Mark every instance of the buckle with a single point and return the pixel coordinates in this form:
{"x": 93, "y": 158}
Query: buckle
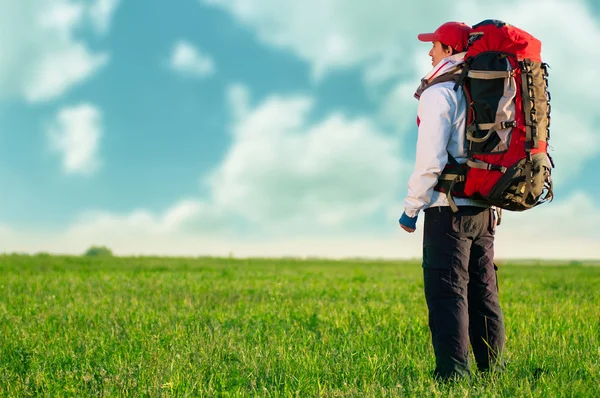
{"x": 497, "y": 167}
{"x": 507, "y": 124}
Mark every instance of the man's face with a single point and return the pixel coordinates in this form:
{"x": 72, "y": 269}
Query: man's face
{"x": 437, "y": 53}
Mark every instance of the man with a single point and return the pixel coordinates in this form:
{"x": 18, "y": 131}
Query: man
{"x": 458, "y": 248}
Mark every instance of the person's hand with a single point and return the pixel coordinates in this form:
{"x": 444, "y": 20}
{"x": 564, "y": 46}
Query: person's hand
{"x": 409, "y": 224}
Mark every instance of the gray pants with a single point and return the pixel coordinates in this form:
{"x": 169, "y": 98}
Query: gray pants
{"x": 461, "y": 289}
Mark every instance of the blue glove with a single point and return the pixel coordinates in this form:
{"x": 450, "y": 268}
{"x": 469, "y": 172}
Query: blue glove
{"x": 409, "y": 222}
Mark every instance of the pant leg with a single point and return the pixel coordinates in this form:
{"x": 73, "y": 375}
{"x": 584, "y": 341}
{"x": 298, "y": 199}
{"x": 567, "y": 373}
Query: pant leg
{"x": 445, "y": 271}
{"x": 445, "y": 294}
{"x": 486, "y": 323}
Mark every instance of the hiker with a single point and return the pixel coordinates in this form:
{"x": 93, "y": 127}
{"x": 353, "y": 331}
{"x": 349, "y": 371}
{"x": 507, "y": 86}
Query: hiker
{"x": 458, "y": 247}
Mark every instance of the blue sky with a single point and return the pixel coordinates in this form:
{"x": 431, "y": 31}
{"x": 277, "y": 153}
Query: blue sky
{"x": 257, "y": 127}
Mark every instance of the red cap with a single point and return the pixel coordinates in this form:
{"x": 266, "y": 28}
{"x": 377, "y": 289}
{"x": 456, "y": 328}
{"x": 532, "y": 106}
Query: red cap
{"x": 453, "y": 34}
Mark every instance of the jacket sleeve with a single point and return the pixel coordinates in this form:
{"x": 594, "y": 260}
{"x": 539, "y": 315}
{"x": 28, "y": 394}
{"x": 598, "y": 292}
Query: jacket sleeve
{"x": 436, "y": 112}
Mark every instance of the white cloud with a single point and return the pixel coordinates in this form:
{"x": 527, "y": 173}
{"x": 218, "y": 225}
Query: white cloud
{"x": 185, "y": 216}
{"x": 283, "y": 170}
{"x": 332, "y": 34}
{"x": 101, "y": 13}
{"x": 75, "y": 134}
{"x": 61, "y": 16}
{"x": 42, "y": 58}
{"x": 61, "y": 69}
{"x": 190, "y": 61}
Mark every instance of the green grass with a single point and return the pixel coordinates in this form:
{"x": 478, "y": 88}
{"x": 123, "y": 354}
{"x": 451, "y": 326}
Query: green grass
{"x": 76, "y": 326}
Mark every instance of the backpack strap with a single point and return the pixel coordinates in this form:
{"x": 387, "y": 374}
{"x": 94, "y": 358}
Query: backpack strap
{"x": 449, "y": 76}
{"x": 451, "y": 179}
{"x": 452, "y": 174}
{"x": 491, "y": 127}
{"x": 489, "y": 75}
{"x": 478, "y": 164}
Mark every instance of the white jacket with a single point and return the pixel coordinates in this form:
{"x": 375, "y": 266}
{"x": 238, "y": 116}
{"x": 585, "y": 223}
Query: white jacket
{"x": 441, "y": 116}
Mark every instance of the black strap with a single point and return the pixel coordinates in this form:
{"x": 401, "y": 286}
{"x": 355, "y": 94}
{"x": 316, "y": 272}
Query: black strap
{"x": 461, "y": 78}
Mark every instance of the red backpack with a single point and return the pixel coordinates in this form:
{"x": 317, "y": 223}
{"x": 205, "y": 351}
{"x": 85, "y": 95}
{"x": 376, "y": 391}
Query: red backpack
{"x": 505, "y": 82}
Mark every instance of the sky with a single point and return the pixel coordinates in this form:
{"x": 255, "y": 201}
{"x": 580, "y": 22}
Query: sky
{"x": 259, "y": 127}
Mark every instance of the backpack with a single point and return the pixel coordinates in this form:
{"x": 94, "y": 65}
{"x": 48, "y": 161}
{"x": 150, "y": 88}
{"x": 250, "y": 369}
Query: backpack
{"x": 508, "y": 120}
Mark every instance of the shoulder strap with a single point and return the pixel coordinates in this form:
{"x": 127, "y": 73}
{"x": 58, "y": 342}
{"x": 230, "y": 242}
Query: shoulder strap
{"x": 449, "y": 76}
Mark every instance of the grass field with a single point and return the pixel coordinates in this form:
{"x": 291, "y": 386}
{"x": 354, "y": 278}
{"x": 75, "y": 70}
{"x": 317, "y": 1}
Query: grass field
{"x": 76, "y": 326}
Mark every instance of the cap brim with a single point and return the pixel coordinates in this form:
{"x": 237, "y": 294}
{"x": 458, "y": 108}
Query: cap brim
{"x": 427, "y": 37}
